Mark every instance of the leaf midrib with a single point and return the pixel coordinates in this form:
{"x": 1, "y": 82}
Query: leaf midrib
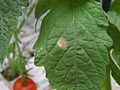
{"x": 75, "y": 44}
{"x": 74, "y": 36}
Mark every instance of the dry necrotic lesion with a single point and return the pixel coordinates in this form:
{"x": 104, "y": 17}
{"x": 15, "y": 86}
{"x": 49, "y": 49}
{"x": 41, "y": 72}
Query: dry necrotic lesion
{"x": 62, "y": 43}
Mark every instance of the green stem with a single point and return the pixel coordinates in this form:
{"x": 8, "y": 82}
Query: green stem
{"x": 18, "y": 47}
{"x": 21, "y": 59}
{"x": 21, "y": 62}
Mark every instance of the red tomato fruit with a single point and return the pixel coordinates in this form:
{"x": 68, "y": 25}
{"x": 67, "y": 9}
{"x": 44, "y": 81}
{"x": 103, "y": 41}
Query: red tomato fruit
{"x": 29, "y": 85}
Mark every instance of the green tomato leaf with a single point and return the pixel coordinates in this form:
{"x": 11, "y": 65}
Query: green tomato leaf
{"x": 114, "y": 14}
{"x": 10, "y": 10}
{"x": 43, "y": 6}
{"x": 14, "y": 66}
{"x": 115, "y": 57}
{"x": 116, "y": 66}
{"x": 10, "y": 50}
{"x": 116, "y": 6}
{"x": 114, "y": 33}
{"x": 72, "y": 45}
{"x": 114, "y": 18}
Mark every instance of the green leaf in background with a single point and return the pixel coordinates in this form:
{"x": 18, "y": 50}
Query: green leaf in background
{"x": 114, "y": 14}
{"x": 72, "y": 44}
{"x": 115, "y": 35}
{"x": 115, "y": 57}
{"x": 43, "y": 6}
{"x": 114, "y": 18}
{"x": 10, "y": 50}
{"x": 14, "y": 66}
{"x": 116, "y": 6}
{"x": 114, "y": 32}
{"x": 10, "y": 10}
{"x": 115, "y": 64}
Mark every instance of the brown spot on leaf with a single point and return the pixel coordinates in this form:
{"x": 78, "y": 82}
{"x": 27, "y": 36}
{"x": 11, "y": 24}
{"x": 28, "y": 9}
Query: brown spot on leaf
{"x": 62, "y": 43}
